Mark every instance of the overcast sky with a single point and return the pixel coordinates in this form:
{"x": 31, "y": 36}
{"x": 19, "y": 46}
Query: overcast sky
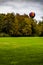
{"x": 22, "y": 6}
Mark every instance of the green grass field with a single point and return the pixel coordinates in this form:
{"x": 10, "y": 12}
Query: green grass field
{"x": 21, "y": 51}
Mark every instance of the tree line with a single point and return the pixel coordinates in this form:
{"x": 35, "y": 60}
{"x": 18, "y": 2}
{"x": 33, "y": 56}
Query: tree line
{"x": 16, "y": 25}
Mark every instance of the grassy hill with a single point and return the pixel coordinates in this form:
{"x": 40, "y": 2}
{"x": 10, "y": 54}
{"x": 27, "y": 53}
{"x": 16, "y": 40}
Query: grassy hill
{"x": 21, "y": 51}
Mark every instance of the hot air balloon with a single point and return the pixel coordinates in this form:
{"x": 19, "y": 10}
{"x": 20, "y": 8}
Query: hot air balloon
{"x": 32, "y": 14}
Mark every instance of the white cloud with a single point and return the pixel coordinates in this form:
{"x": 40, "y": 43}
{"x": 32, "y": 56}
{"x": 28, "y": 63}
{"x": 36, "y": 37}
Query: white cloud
{"x": 22, "y": 7}
{"x": 6, "y": 9}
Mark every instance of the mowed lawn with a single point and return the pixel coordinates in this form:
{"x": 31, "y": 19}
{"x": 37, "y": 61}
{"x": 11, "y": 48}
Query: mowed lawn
{"x": 21, "y": 51}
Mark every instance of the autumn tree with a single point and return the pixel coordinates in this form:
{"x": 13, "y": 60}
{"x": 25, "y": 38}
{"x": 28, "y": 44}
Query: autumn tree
{"x": 19, "y": 25}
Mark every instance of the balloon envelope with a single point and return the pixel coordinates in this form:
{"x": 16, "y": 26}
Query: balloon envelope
{"x": 32, "y": 14}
